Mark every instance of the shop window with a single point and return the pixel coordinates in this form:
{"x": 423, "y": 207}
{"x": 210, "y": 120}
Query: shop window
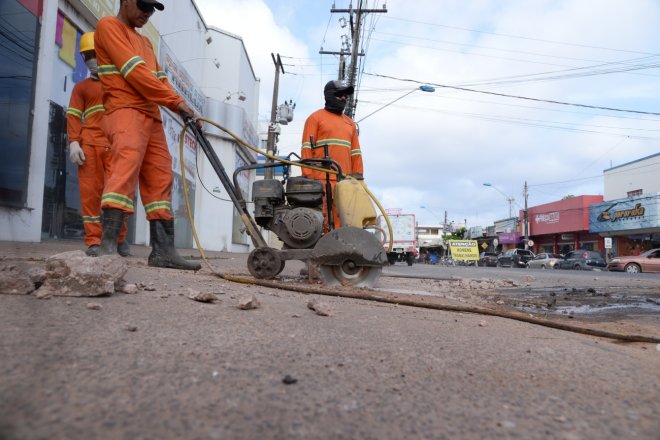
{"x": 637, "y": 192}
{"x": 18, "y": 36}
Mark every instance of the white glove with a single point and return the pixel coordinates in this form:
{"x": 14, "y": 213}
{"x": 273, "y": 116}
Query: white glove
{"x": 76, "y": 154}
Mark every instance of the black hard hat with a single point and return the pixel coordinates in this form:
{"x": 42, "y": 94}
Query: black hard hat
{"x": 155, "y": 3}
{"x": 338, "y": 87}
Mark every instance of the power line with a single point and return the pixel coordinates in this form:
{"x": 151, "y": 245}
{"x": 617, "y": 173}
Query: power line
{"x": 550, "y": 101}
{"x": 565, "y": 43}
{"x": 594, "y": 177}
{"x": 601, "y": 63}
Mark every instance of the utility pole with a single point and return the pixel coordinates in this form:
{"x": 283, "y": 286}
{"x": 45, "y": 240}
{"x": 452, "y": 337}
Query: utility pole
{"x": 526, "y": 223}
{"x": 356, "y": 27}
{"x": 271, "y": 148}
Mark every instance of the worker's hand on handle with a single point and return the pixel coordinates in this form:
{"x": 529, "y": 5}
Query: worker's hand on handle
{"x": 76, "y": 154}
{"x": 188, "y": 113}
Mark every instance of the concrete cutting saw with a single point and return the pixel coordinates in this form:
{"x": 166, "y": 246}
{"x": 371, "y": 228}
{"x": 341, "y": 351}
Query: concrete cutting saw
{"x": 291, "y": 208}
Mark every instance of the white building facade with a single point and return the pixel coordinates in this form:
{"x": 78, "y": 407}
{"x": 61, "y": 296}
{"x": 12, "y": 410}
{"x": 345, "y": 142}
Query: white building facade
{"x": 38, "y": 185}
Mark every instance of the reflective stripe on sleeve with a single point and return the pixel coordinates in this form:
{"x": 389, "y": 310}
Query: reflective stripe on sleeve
{"x": 108, "y": 69}
{"x": 90, "y": 111}
{"x": 131, "y": 64}
{"x": 74, "y": 112}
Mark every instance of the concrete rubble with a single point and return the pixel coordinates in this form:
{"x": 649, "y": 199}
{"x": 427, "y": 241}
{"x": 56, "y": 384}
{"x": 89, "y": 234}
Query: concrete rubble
{"x": 248, "y": 302}
{"x": 320, "y": 308}
{"x": 15, "y": 281}
{"x": 204, "y": 297}
{"x": 75, "y": 274}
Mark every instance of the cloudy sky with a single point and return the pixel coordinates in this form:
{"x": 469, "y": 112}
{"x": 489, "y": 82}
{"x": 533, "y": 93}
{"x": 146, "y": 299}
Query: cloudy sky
{"x": 436, "y": 150}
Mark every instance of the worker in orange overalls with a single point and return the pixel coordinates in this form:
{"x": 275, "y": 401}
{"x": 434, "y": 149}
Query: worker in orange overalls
{"x": 133, "y": 88}
{"x": 330, "y": 126}
{"x": 90, "y": 149}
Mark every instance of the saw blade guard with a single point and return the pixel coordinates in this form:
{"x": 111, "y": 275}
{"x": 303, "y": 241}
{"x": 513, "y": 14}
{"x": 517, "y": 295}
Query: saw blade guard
{"x": 349, "y": 256}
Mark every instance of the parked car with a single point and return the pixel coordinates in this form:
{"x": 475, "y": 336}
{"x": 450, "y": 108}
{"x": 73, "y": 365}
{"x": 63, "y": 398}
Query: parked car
{"x": 515, "y": 258}
{"x": 581, "y": 259}
{"x": 487, "y": 259}
{"x": 544, "y": 261}
{"x": 648, "y": 261}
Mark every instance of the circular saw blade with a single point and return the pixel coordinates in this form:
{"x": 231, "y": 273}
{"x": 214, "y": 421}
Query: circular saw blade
{"x": 356, "y": 276}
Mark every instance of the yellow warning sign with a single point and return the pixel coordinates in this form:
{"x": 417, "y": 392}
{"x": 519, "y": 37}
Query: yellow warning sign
{"x": 464, "y": 249}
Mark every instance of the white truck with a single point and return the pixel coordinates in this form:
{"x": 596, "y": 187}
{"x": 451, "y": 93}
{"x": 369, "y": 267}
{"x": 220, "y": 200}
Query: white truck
{"x": 405, "y": 238}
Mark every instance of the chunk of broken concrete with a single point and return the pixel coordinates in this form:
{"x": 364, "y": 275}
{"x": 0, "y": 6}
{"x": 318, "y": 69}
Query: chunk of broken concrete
{"x": 94, "y": 306}
{"x": 320, "y": 308}
{"x": 129, "y": 288}
{"x": 14, "y": 280}
{"x": 248, "y": 302}
{"x": 204, "y": 297}
{"x": 75, "y": 274}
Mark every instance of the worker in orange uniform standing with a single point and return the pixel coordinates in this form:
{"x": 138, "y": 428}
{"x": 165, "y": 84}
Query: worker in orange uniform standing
{"x": 330, "y": 126}
{"x": 133, "y": 88}
{"x": 90, "y": 149}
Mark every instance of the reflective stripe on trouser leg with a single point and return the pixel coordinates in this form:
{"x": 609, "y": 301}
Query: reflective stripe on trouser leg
{"x": 90, "y": 182}
{"x": 156, "y": 176}
{"x": 129, "y": 132}
{"x": 91, "y": 176}
{"x": 105, "y": 155}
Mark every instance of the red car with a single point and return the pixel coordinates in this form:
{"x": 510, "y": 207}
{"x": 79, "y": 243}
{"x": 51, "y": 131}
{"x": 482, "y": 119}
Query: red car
{"x": 648, "y": 261}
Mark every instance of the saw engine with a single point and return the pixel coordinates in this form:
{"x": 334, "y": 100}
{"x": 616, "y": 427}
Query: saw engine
{"x": 292, "y": 213}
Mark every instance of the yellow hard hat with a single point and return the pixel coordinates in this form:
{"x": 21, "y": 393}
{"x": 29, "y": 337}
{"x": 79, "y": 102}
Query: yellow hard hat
{"x": 87, "y": 42}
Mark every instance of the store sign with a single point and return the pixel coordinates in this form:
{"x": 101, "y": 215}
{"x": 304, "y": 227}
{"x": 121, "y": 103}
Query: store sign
{"x": 547, "y": 218}
{"x": 633, "y": 213}
{"x": 464, "y": 250}
{"x": 509, "y": 237}
{"x": 623, "y": 214}
{"x": 181, "y": 81}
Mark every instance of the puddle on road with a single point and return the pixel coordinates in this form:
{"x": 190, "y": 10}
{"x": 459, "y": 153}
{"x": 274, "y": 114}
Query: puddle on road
{"x": 593, "y": 309}
{"x": 563, "y": 301}
{"x": 589, "y": 301}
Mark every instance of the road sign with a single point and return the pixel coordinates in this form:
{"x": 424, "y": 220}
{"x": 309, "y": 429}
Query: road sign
{"x": 484, "y": 246}
{"x": 608, "y": 242}
{"x": 530, "y": 243}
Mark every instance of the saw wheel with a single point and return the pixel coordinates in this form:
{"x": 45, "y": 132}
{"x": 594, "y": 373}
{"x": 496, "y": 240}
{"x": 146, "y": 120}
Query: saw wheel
{"x": 349, "y": 274}
{"x": 265, "y": 263}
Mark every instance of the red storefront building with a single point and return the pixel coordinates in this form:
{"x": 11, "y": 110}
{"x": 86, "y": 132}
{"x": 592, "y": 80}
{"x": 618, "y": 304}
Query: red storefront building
{"x": 562, "y": 226}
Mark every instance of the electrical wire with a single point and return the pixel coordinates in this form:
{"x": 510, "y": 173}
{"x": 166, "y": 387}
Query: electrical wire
{"x": 564, "y": 43}
{"x": 550, "y": 101}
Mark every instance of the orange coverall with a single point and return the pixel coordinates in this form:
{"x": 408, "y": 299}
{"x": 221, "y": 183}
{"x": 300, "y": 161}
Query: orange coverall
{"x": 340, "y": 134}
{"x": 83, "y": 125}
{"x": 133, "y": 88}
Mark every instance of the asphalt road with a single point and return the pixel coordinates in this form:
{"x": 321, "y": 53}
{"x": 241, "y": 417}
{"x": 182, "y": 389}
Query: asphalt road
{"x": 159, "y": 365}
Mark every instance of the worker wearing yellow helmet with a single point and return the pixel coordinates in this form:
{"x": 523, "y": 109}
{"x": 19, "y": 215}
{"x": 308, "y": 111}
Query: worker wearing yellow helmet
{"x": 90, "y": 149}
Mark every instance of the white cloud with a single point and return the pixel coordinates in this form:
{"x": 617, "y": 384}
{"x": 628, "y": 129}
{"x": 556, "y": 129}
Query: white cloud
{"x": 436, "y": 149}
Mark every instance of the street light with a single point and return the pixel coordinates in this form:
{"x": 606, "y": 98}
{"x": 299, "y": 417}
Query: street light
{"x": 508, "y": 198}
{"x": 424, "y": 88}
{"x": 433, "y": 213}
{"x": 215, "y": 61}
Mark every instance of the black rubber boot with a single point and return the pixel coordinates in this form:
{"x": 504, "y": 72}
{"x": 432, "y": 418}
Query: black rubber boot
{"x": 112, "y": 221}
{"x": 124, "y": 249}
{"x": 163, "y": 252}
